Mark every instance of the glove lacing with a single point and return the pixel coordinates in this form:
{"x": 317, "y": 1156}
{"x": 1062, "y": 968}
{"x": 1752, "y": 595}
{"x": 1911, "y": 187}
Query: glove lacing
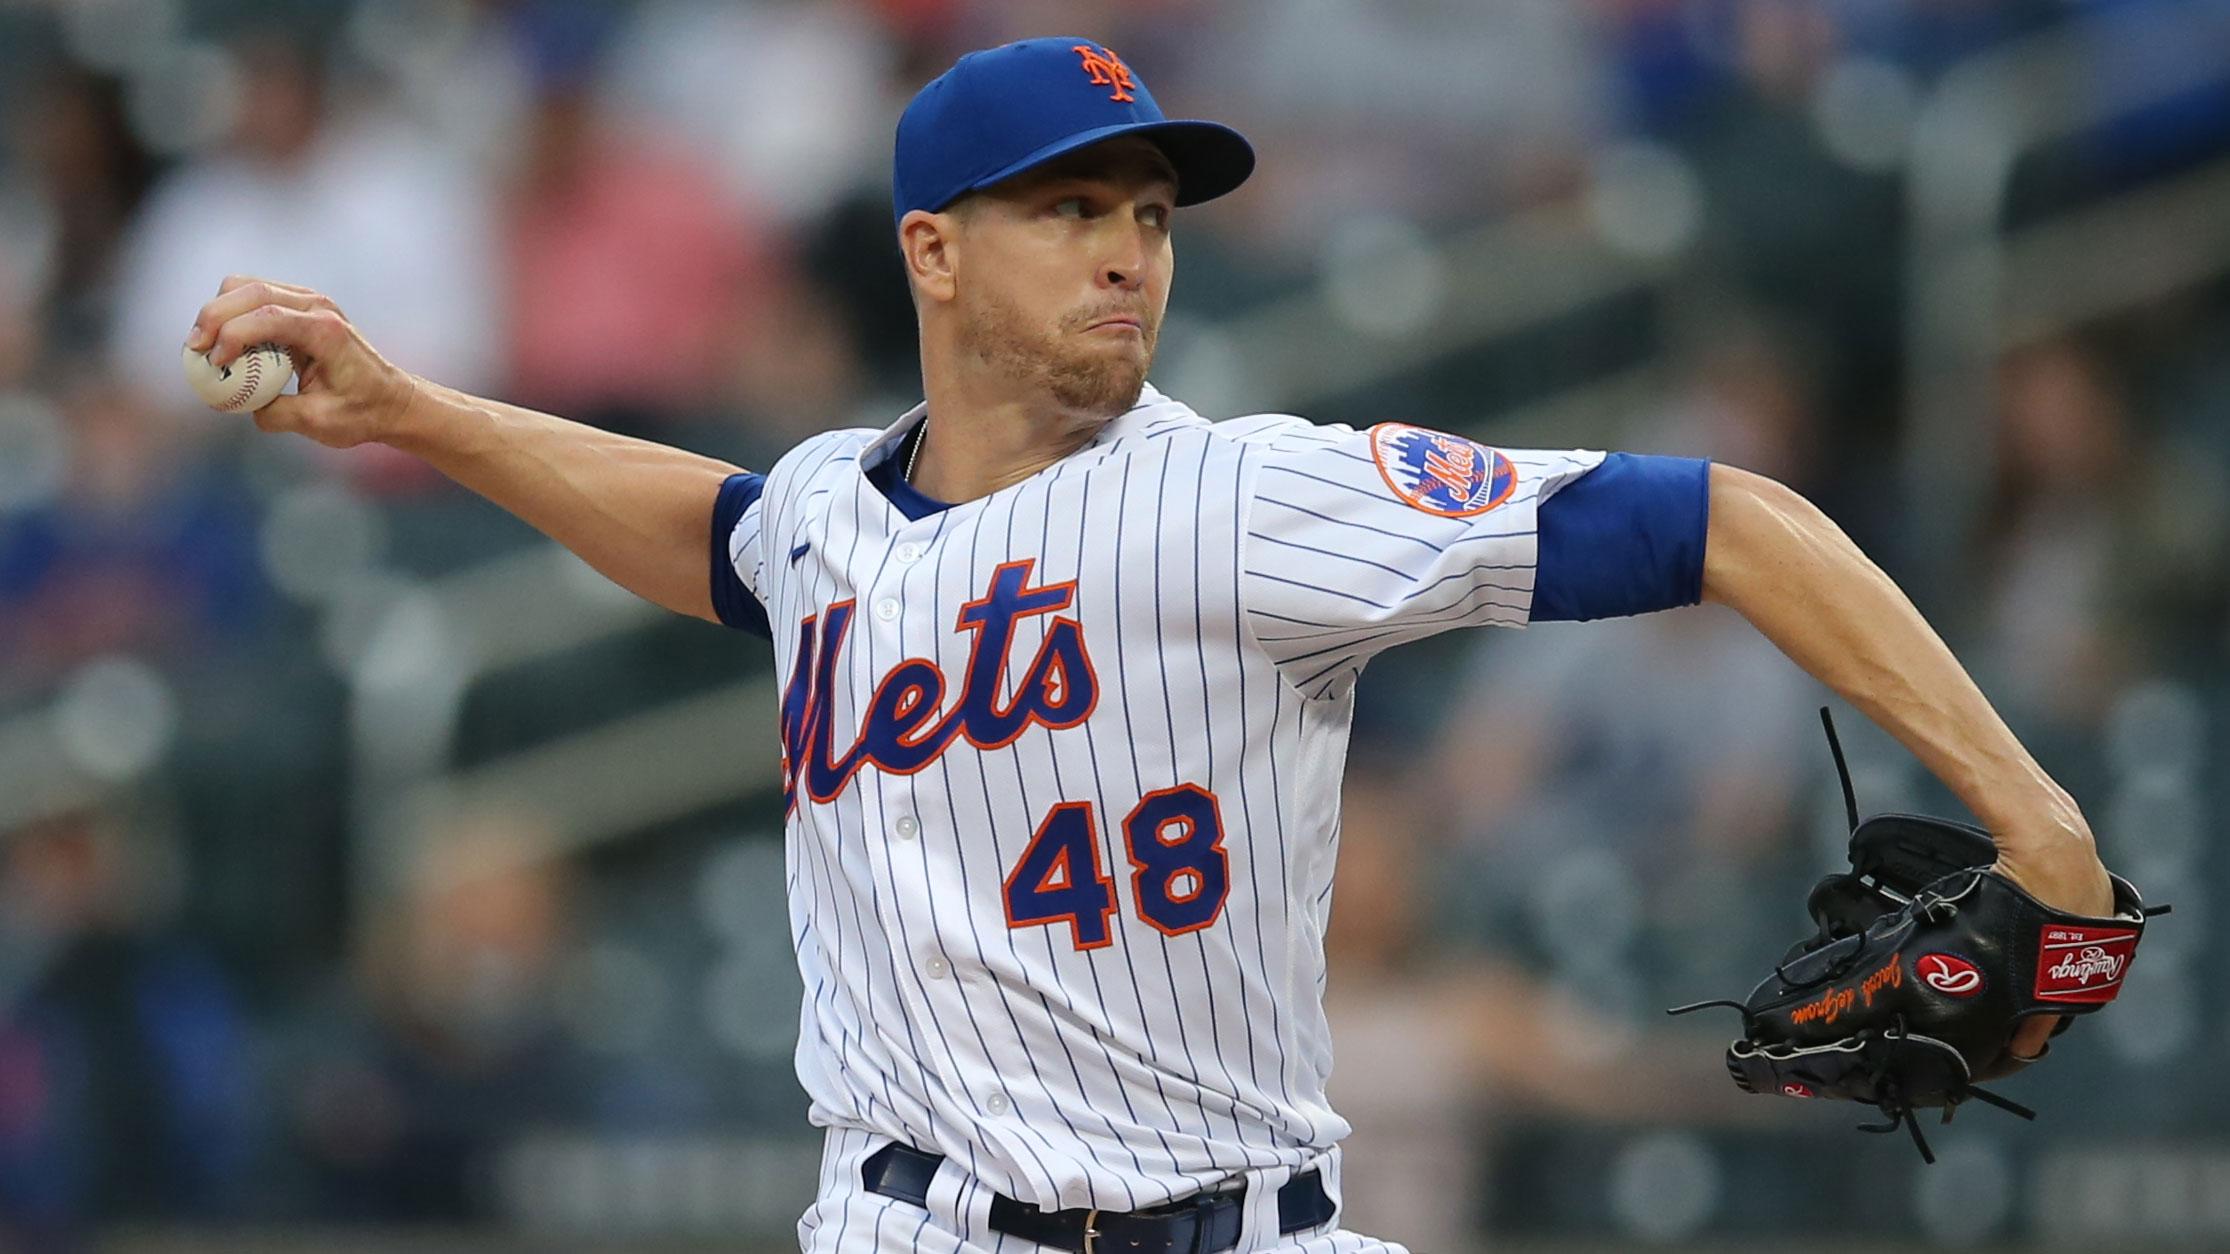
{"x": 1891, "y": 1100}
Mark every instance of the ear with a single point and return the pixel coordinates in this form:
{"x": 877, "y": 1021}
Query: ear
{"x": 930, "y": 244}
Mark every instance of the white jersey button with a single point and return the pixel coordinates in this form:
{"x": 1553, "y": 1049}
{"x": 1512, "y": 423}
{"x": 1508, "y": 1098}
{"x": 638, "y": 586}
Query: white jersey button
{"x": 908, "y": 553}
{"x": 936, "y": 968}
{"x": 906, "y": 828}
{"x": 998, "y": 1104}
{"x": 886, "y": 609}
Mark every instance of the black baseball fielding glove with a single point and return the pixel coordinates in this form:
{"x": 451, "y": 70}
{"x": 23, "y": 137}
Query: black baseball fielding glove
{"x": 1924, "y": 964}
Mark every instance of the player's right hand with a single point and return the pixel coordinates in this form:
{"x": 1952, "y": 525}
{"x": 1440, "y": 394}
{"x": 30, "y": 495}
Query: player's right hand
{"x": 346, "y": 393}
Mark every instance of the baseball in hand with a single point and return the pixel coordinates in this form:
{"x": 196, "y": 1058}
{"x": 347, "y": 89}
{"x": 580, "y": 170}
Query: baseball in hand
{"x": 252, "y": 381}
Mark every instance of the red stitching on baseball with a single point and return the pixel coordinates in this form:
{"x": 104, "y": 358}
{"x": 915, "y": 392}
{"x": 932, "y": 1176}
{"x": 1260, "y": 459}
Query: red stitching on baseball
{"x": 251, "y": 365}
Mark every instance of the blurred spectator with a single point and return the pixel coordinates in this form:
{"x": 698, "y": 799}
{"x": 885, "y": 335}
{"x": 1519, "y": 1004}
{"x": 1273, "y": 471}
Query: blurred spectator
{"x": 1796, "y": 230}
{"x": 125, "y": 1059}
{"x": 1440, "y": 1045}
{"x": 403, "y": 1093}
{"x": 2178, "y": 359}
{"x": 796, "y": 372}
{"x": 1743, "y": 395}
{"x": 1747, "y": 391}
{"x": 1432, "y": 110}
{"x": 1675, "y": 742}
{"x": 1407, "y": 1072}
{"x": 1665, "y": 65}
{"x": 2086, "y": 542}
{"x": 142, "y": 549}
{"x": 789, "y": 102}
{"x": 92, "y": 172}
{"x": 326, "y": 192}
{"x": 28, "y": 248}
{"x": 461, "y": 70}
{"x": 853, "y": 257}
{"x": 634, "y": 275}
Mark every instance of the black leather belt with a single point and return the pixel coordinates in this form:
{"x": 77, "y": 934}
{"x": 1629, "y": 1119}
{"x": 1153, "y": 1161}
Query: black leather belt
{"x": 1204, "y": 1224}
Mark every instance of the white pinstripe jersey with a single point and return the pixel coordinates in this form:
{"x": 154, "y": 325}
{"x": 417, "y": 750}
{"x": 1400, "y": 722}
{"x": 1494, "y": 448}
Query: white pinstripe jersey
{"x": 1065, "y": 765}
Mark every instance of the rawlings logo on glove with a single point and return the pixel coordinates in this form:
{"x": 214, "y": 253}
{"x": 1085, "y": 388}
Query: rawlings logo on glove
{"x": 1953, "y": 976}
{"x": 2086, "y": 963}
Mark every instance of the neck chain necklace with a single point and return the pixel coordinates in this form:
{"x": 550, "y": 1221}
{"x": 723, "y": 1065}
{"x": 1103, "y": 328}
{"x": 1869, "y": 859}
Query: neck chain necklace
{"x": 913, "y": 455}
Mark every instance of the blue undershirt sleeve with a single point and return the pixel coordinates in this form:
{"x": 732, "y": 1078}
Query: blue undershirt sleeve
{"x": 731, "y": 599}
{"x": 1625, "y": 538}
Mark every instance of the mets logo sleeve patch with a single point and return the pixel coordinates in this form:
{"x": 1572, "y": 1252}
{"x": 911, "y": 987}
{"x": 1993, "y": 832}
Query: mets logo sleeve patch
{"x": 1357, "y": 541}
{"x": 1440, "y": 473}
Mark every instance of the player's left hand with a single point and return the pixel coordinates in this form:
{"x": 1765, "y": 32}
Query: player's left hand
{"x": 1933, "y": 972}
{"x": 2065, "y": 873}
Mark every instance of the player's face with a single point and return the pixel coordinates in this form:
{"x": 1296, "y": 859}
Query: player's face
{"x": 1063, "y": 275}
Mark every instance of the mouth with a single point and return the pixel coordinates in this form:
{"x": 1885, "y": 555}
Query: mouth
{"x": 1118, "y": 323}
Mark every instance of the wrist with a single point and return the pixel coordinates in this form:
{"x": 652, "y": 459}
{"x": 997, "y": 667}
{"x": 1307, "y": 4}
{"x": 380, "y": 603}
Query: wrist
{"x": 2041, "y": 829}
{"x": 2026, "y": 809}
{"x": 430, "y": 421}
{"x": 411, "y": 422}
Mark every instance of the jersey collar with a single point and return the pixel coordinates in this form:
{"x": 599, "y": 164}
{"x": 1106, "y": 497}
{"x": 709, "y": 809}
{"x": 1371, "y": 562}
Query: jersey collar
{"x": 1152, "y": 406}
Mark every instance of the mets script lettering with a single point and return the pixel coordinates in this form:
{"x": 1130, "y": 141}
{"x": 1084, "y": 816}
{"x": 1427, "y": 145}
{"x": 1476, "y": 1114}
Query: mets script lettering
{"x": 907, "y": 724}
{"x": 1452, "y": 463}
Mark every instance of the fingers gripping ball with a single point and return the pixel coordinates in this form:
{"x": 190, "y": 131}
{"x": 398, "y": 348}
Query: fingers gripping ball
{"x": 252, "y": 381}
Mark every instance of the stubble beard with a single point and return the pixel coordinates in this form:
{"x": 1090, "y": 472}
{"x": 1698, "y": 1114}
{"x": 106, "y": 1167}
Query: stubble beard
{"x": 1095, "y": 384}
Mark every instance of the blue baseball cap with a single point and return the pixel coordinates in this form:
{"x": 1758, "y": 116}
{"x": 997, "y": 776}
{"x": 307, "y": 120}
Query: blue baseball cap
{"x": 1001, "y": 111}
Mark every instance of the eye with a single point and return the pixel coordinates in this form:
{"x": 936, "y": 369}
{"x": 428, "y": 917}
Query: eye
{"x": 1156, "y": 216}
{"x": 1072, "y": 207}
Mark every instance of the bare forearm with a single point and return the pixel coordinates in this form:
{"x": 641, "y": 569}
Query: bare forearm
{"x": 640, "y": 513}
{"x": 1786, "y": 567}
{"x": 637, "y": 511}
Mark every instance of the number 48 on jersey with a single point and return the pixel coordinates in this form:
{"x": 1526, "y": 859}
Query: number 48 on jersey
{"x": 1180, "y": 873}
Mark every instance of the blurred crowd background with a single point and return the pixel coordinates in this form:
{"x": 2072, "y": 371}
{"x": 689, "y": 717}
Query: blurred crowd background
{"x": 370, "y": 872}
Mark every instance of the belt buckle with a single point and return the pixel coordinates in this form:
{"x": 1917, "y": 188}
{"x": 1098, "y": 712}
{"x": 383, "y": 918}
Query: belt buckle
{"x": 1091, "y": 1231}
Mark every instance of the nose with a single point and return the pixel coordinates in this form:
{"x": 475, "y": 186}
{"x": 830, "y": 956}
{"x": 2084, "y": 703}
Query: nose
{"x": 1124, "y": 264}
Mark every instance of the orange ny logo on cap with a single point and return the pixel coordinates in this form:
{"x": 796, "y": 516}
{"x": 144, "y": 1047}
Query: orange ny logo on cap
{"x": 1107, "y": 70}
